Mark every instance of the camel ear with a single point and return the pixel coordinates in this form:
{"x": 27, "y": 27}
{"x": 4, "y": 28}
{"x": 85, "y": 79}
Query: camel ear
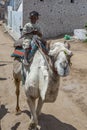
{"x": 67, "y": 45}
{"x": 68, "y": 52}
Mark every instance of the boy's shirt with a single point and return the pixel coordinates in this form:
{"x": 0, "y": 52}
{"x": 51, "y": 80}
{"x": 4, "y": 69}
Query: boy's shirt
{"x": 29, "y": 27}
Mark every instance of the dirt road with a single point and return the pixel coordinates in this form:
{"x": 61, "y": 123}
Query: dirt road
{"x": 69, "y": 112}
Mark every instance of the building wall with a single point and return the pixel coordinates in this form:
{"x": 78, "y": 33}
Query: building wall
{"x": 57, "y": 16}
{"x": 11, "y": 3}
{"x": 17, "y": 4}
{"x": 2, "y": 13}
{"x": 16, "y": 22}
{"x": 15, "y": 19}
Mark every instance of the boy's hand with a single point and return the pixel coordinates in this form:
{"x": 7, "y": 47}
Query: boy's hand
{"x": 35, "y": 32}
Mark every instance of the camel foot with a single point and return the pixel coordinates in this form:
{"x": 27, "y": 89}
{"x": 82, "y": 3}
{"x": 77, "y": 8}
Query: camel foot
{"x": 18, "y": 111}
{"x": 33, "y": 126}
{"x": 38, "y": 127}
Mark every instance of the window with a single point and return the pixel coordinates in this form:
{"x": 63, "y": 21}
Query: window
{"x": 72, "y": 1}
{"x": 42, "y": 0}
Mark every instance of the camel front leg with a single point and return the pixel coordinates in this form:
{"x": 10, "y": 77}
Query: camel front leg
{"x": 17, "y": 84}
{"x": 34, "y": 121}
{"x": 39, "y": 106}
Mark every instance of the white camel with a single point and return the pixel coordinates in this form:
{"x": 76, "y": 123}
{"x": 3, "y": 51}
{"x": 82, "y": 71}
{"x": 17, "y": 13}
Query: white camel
{"x": 42, "y": 78}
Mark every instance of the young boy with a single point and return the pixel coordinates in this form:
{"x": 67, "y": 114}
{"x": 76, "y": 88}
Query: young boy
{"x": 30, "y": 29}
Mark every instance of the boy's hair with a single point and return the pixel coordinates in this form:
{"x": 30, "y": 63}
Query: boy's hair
{"x": 34, "y": 13}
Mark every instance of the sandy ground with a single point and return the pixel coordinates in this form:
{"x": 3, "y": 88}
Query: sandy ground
{"x": 69, "y": 112}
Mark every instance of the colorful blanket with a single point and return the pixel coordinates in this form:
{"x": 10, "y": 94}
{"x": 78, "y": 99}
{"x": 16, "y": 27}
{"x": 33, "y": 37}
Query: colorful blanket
{"x": 19, "y": 52}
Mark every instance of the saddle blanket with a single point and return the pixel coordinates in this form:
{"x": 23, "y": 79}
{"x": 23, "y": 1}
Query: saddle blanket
{"x": 19, "y": 52}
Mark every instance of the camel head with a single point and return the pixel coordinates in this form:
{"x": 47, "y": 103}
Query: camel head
{"x": 61, "y": 58}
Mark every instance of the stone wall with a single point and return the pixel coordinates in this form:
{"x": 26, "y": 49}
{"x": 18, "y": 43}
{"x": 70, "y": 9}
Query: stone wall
{"x": 57, "y": 16}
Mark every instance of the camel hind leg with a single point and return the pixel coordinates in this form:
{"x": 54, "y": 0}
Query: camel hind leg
{"x": 17, "y": 84}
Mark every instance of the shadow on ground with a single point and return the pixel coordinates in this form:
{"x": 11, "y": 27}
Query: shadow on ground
{"x": 27, "y": 112}
{"x": 3, "y": 112}
{"x": 3, "y": 78}
{"x": 49, "y": 122}
{"x": 3, "y": 64}
{"x": 15, "y": 126}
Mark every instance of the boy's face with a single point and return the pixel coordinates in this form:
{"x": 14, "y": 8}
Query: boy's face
{"x": 34, "y": 19}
